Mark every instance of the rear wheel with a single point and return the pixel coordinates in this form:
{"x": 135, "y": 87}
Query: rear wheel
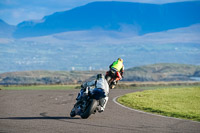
{"x": 109, "y": 80}
{"x": 91, "y": 109}
{"x": 112, "y": 86}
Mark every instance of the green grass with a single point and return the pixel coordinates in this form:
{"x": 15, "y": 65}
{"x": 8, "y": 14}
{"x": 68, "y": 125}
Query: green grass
{"x": 40, "y": 87}
{"x": 182, "y": 102}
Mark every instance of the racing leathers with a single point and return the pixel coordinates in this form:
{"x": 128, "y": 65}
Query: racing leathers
{"x": 100, "y": 83}
{"x": 118, "y": 67}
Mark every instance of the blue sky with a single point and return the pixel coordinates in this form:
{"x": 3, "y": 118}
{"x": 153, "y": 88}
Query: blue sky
{"x": 16, "y": 11}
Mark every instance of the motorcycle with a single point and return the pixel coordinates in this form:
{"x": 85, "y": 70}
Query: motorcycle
{"x": 88, "y": 104}
{"x": 112, "y": 78}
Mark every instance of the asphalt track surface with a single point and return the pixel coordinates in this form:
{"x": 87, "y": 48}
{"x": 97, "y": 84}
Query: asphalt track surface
{"x": 47, "y": 111}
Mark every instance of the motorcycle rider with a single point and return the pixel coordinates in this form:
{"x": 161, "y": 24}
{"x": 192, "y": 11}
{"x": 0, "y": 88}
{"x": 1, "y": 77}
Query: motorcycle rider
{"x": 100, "y": 87}
{"x": 118, "y": 67}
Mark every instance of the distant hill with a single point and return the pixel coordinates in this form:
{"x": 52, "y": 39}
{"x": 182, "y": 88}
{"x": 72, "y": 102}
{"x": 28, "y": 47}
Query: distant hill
{"x": 162, "y": 72}
{"x": 6, "y": 30}
{"x": 140, "y": 17}
{"x": 156, "y": 72}
{"x": 47, "y": 77}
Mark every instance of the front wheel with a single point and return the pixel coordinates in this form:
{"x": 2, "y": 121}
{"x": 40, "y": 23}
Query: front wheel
{"x": 72, "y": 114}
{"x": 90, "y": 109}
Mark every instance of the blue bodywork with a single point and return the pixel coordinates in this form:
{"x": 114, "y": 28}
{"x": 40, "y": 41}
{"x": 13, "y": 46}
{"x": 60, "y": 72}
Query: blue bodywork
{"x": 98, "y": 93}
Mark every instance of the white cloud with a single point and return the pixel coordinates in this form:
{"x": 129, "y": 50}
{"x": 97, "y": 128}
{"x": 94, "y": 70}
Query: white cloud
{"x": 143, "y": 1}
{"x": 18, "y": 15}
{"x": 181, "y": 35}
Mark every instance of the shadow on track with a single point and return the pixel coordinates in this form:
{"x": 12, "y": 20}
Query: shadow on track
{"x": 44, "y": 116}
{"x": 38, "y": 118}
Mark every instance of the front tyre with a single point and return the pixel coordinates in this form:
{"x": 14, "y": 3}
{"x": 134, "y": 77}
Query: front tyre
{"x": 90, "y": 109}
{"x": 72, "y": 114}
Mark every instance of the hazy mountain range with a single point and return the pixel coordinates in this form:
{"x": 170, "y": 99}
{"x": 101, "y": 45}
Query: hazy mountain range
{"x": 91, "y": 37}
{"x": 142, "y": 18}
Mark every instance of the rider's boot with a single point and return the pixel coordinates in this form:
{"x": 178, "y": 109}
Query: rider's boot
{"x": 102, "y": 103}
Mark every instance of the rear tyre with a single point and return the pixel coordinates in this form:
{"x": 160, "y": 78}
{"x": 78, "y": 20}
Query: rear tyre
{"x": 91, "y": 109}
{"x": 108, "y": 78}
{"x": 112, "y": 86}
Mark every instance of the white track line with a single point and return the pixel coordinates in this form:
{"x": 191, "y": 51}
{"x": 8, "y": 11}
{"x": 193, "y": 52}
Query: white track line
{"x": 115, "y": 101}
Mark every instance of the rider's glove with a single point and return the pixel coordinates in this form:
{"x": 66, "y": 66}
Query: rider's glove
{"x": 82, "y": 86}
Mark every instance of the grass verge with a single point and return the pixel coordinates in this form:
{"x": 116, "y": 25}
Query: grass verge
{"x": 182, "y": 102}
